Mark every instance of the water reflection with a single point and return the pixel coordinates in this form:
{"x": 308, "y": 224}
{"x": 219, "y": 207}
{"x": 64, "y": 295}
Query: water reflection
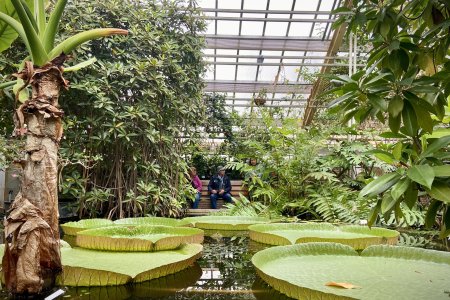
{"x": 224, "y": 272}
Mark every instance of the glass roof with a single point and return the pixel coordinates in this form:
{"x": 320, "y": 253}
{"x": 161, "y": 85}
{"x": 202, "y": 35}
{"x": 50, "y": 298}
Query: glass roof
{"x": 267, "y": 46}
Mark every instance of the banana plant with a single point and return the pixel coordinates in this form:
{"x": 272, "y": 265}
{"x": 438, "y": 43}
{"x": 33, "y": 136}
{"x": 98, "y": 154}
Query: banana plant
{"x": 405, "y": 85}
{"x": 31, "y": 227}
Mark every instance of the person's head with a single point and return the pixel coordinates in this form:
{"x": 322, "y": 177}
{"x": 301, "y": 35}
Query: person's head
{"x": 221, "y": 171}
{"x": 192, "y": 171}
{"x": 252, "y": 161}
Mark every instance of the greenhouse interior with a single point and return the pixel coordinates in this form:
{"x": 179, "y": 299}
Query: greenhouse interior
{"x": 225, "y": 149}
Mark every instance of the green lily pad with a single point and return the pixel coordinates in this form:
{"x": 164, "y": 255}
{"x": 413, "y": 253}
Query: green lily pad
{"x": 158, "y": 288}
{"x": 138, "y": 238}
{"x": 358, "y": 237}
{"x": 83, "y": 267}
{"x": 224, "y": 222}
{"x": 71, "y": 228}
{"x": 148, "y": 221}
{"x": 380, "y": 272}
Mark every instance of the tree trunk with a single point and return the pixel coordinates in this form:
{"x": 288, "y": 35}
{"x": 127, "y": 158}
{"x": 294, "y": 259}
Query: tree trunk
{"x": 32, "y": 256}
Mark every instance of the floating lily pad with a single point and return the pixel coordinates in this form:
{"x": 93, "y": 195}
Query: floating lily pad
{"x": 83, "y": 267}
{"x": 148, "y": 221}
{"x": 138, "y": 238}
{"x": 380, "y": 272}
{"x": 224, "y": 222}
{"x": 71, "y": 228}
{"x": 358, "y": 237}
{"x": 157, "y": 288}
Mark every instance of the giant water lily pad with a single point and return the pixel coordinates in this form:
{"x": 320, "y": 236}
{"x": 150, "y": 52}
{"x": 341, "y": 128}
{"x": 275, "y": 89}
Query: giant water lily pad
{"x": 71, "y": 228}
{"x": 359, "y": 237}
{"x": 224, "y": 222}
{"x": 84, "y": 267}
{"x": 138, "y": 238}
{"x": 148, "y": 221}
{"x": 303, "y": 271}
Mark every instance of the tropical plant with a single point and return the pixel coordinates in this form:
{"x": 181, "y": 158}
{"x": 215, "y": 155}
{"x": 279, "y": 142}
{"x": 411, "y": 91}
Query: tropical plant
{"x": 307, "y": 174}
{"x": 38, "y": 117}
{"x": 406, "y": 85}
{"x": 131, "y": 117}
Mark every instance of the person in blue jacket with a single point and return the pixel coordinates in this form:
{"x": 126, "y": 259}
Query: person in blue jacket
{"x": 219, "y": 187}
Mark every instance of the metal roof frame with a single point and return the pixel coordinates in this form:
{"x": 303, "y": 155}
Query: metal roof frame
{"x": 291, "y": 49}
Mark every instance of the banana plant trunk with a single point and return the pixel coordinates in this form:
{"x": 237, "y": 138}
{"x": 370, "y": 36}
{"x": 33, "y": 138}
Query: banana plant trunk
{"x": 32, "y": 256}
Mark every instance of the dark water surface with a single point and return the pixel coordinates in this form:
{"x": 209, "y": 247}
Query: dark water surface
{"x": 224, "y": 272}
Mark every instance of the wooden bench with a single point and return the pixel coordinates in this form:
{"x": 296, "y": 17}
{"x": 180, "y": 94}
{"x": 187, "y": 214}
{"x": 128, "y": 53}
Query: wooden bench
{"x": 204, "y": 206}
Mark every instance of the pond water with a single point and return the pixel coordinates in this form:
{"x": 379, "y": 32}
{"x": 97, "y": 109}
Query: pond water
{"x": 224, "y": 272}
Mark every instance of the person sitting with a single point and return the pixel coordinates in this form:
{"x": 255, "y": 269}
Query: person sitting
{"x": 219, "y": 187}
{"x": 196, "y": 184}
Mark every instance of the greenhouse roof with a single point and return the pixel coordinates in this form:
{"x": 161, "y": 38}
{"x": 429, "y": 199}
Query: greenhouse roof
{"x": 269, "y": 46}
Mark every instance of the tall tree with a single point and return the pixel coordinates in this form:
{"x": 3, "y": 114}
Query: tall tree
{"x": 32, "y": 256}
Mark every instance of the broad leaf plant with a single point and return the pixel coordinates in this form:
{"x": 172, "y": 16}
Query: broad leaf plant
{"x": 405, "y": 84}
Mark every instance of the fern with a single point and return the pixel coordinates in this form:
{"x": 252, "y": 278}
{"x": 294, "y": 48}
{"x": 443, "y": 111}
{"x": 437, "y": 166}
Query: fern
{"x": 245, "y": 207}
{"x": 334, "y": 203}
{"x": 410, "y": 217}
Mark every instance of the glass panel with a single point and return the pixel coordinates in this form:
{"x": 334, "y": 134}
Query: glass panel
{"x": 300, "y": 29}
{"x": 236, "y": 4}
{"x": 290, "y": 73}
{"x": 246, "y": 73}
{"x": 310, "y": 5}
{"x": 267, "y": 73}
{"x": 255, "y": 4}
{"x": 225, "y": 72}
{"x": 211, "y": 25}
{"x": 281, "y": 5}
{"x": 326, "y": 5}
{"x": 226, "y": 51}
{"x": 228, "y": 27}
{"x": 252, "y": 28}
{"x": 206, "y": 3}
{"x": 276, "y": 28}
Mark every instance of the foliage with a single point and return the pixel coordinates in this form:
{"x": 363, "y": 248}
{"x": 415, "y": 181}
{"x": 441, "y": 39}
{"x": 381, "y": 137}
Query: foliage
{"x": 37, "y": 31}
{"x": 244, "y": 207}
{"x": 126, "y": 114}
{"x": 406, "y": 85}
{"x": 308, "y": 174}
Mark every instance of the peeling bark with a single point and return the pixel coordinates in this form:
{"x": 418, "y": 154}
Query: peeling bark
{"x": 32, "y": 257}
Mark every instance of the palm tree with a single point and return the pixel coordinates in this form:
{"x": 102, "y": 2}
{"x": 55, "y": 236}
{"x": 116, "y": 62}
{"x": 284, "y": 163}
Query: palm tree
{"x": 32, "y": 256}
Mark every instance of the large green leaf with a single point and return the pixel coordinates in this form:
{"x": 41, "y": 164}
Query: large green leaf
{"x": 71, "y": 228}
{"x": 435, "y": 146}
{"x": 83, "y": 267}
{"x": 400, "y": 188}
{"x": 357, "y": 237}
{"x": 138, "y": 238}
{"x": 422, "y": 174}
{"x": 380, "y": 184}
{"x": 441, "y": 192}
{"x": 7, "y": 33}
{"x": 148, "y": 221}
{"x": 380, "y": 272}
{"x": 442, "y": 171}
{"x": 224, "y": 222}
